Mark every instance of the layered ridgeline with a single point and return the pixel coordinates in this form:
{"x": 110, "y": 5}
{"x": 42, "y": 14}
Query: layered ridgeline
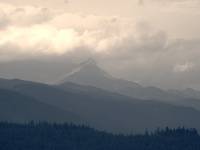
{"x": 89, "y": 73}
{"x": 45, "y": 136}
{"x": 95, "y": 107}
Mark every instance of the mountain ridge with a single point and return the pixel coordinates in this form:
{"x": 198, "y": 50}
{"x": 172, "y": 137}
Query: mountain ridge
{"x": 89, "y": 73}
{"x": 109, "y": 111}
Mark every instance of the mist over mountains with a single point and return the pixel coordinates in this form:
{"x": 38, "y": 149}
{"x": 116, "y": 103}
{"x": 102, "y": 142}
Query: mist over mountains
{"x": 89, "y": 95}
{"x": 99, "y": 75}
{"x": 89, "y": 73}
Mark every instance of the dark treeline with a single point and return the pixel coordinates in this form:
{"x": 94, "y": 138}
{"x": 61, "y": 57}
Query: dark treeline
{"x": 45, "y": 136}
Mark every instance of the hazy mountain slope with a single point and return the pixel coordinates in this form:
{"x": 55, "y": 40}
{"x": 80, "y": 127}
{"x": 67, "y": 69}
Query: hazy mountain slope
{"x": 89, "y": 73}
{"x": 187, "y": 102}
{"x": 189, "y": 92}
{"x": 110, "y": 111}
{"x": 19, "y": 108}
{"x": 140, "y": 113}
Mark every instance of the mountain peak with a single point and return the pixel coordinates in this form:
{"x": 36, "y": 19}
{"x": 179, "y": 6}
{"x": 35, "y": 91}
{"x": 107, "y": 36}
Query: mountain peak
{"x": 90, "y": 61}
{"x": 87, "y": 72}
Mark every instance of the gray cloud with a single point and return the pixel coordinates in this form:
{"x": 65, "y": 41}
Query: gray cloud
{"x": 169, "y": 65}
{"x": 23, "y": 16}
{"x": 125, "y": 47}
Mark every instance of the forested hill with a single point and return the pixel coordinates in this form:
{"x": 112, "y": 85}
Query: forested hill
{"x": 44, "y": 136}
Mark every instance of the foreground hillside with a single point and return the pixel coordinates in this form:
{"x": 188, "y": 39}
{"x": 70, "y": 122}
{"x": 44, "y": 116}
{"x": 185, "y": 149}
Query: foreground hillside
{"x": 46, "y": 136}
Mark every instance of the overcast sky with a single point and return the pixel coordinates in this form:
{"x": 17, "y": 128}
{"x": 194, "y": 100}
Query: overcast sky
{"x": 153, "y": 42}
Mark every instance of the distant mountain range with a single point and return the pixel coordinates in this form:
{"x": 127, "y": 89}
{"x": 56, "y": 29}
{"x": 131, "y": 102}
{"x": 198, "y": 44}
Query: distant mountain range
{"x": 90, "y": 74}
{"x": 105, "y": 110}
{"x": 88, "y": 95}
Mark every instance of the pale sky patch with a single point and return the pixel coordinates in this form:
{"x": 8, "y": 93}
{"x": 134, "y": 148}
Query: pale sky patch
{"x": 188, "y": 66}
